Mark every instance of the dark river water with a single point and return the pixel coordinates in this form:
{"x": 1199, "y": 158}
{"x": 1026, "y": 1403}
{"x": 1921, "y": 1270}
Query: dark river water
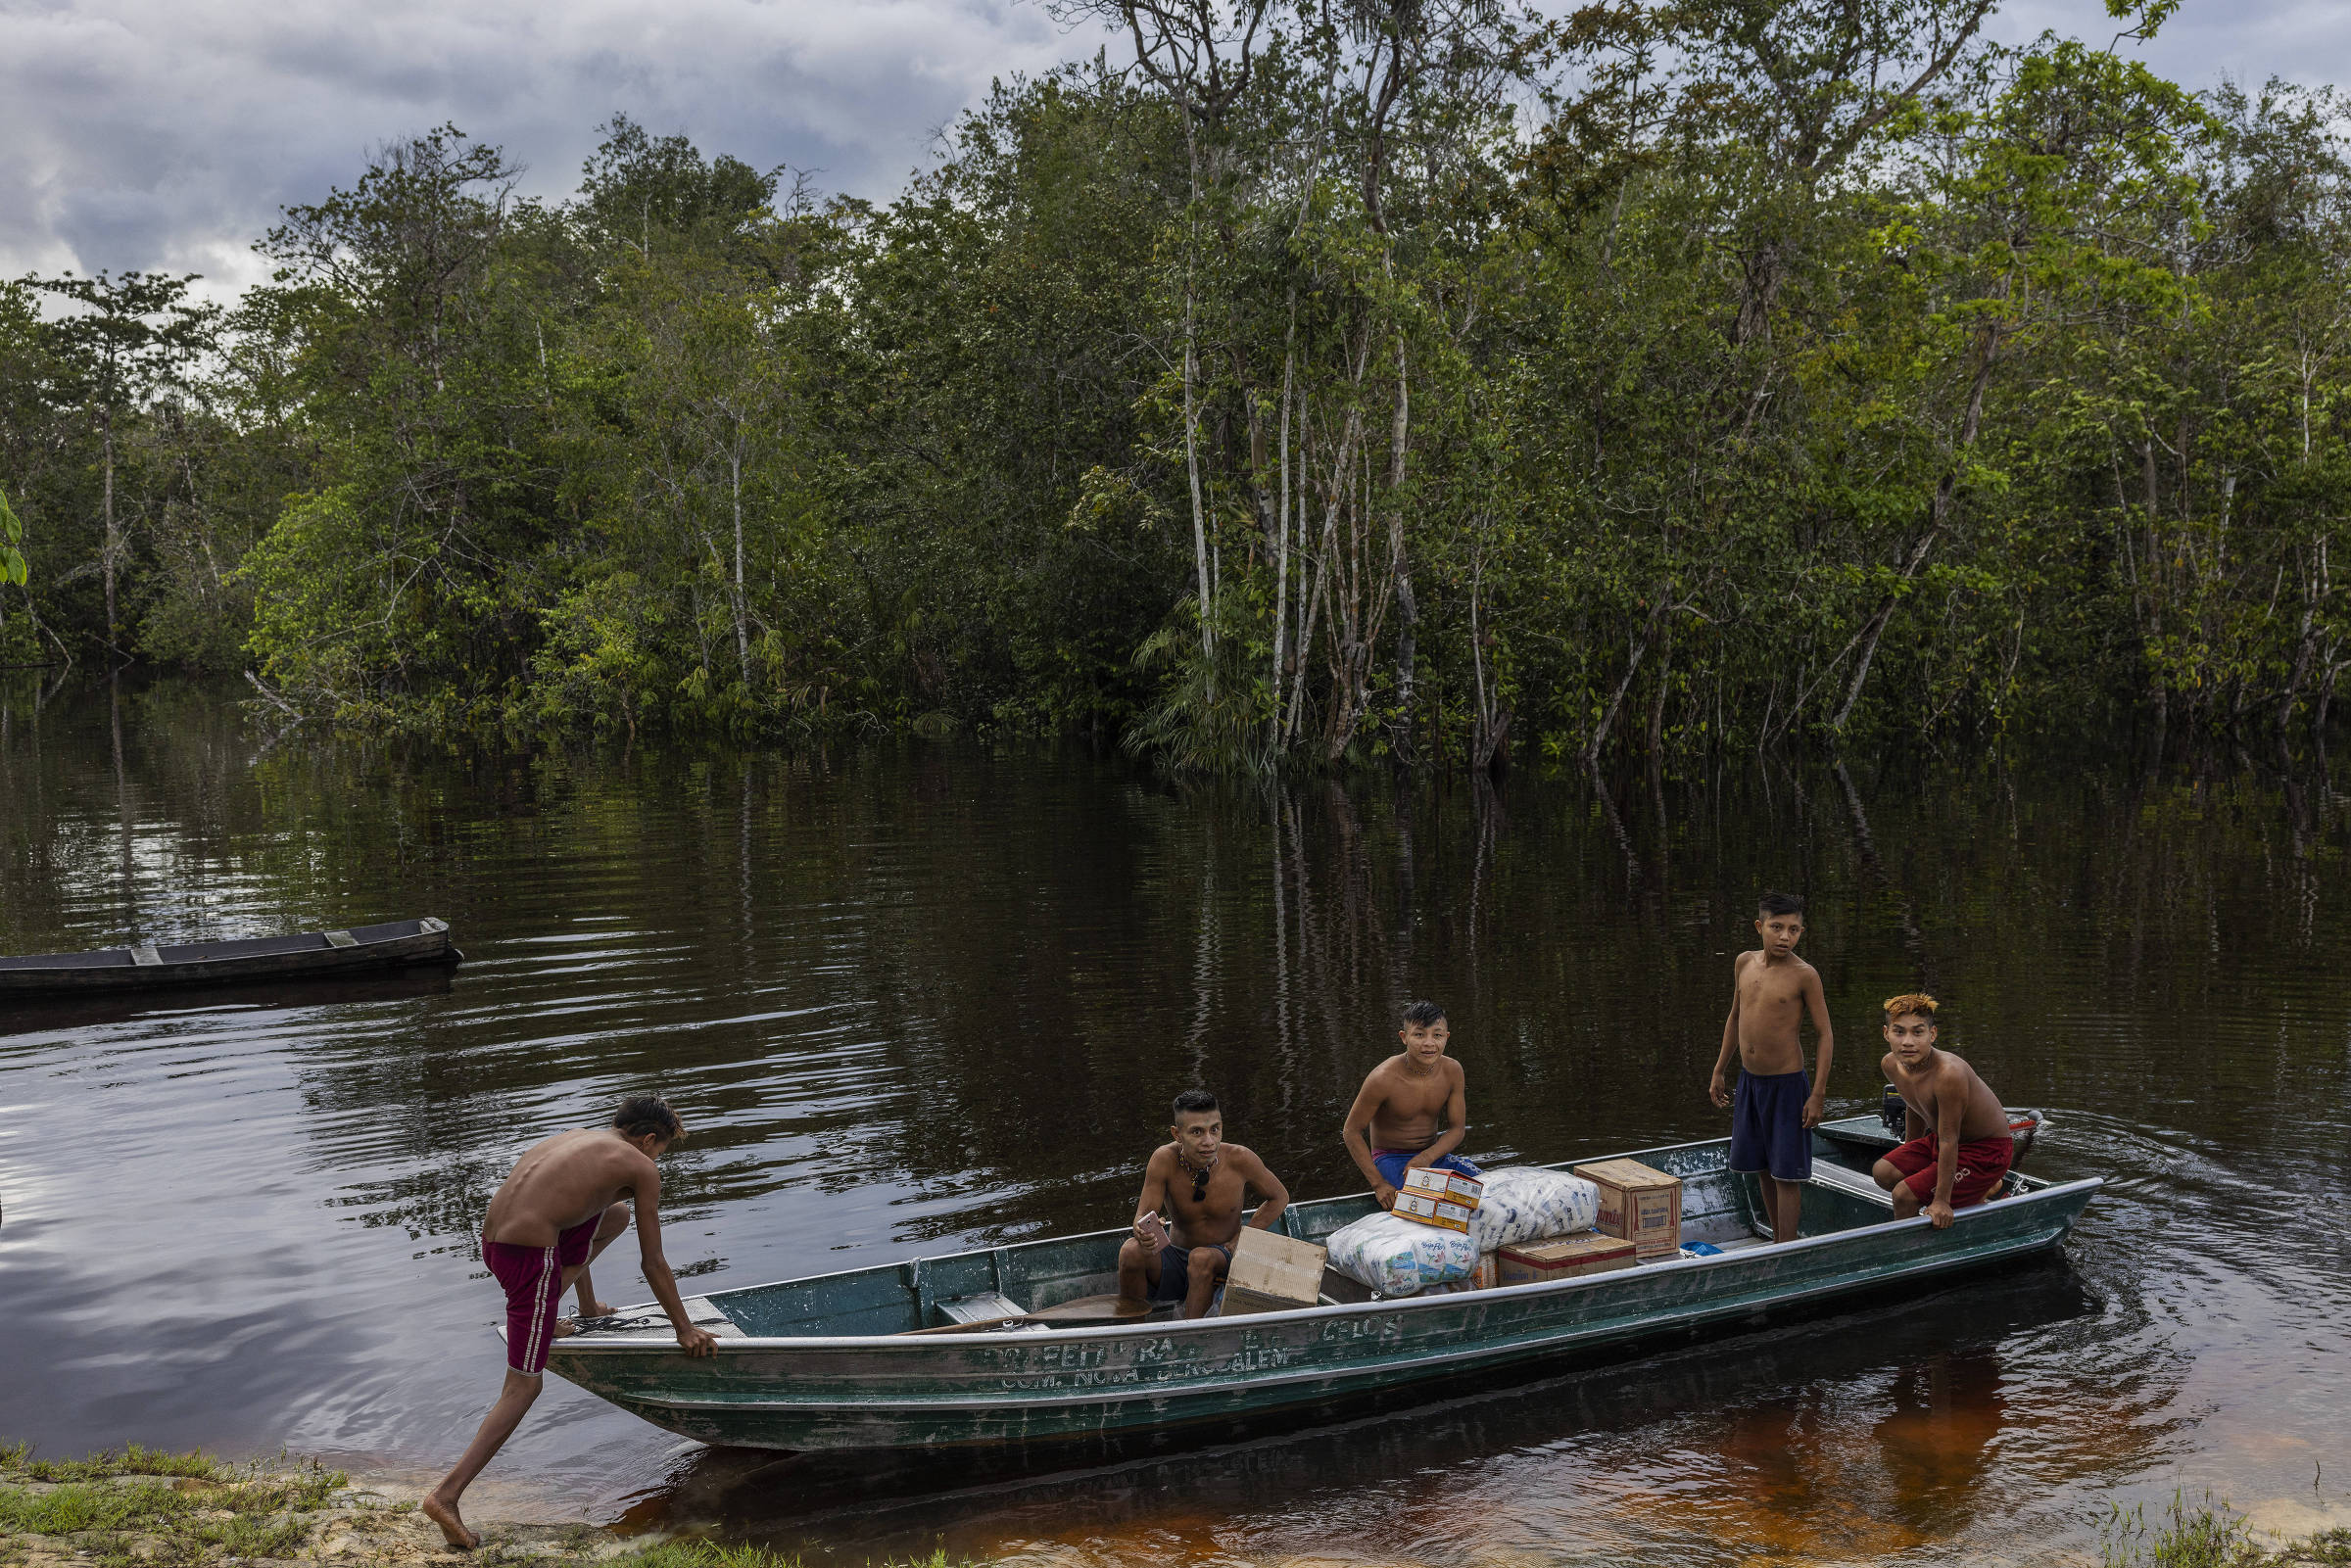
{"x": 936, "y": 996}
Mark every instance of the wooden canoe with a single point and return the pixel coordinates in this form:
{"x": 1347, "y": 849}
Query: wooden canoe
{"x": 832, "y": 1362}
{"x": 395, "y": 944}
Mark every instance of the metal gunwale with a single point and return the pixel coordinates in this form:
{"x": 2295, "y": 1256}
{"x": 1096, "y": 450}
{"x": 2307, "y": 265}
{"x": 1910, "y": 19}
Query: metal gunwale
{"x": 1697, "y": 1312}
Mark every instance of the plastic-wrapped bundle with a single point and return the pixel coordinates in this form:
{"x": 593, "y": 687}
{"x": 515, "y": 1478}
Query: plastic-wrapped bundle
{"x": 1399, "y": 1256}
{"x": 1524, "y": 1203}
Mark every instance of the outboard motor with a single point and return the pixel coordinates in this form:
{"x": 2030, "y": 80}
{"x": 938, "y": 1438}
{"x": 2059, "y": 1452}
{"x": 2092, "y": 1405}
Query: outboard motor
{"x": 1893, "y": 1113}
{"x": 2022, "y": 1126}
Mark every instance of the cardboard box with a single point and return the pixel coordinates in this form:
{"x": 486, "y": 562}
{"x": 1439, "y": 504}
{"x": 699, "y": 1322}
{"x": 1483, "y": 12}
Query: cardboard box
{"x": 1270, "y": 1273}
{"x": 1446, "y": 1186}
{"x": 1441, "y": 1213}
{"x": 1588, "y": 1252}
{"x": 1638, "y": 1204}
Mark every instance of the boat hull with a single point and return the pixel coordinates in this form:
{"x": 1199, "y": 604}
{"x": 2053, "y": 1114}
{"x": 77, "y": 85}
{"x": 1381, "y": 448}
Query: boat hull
{"x": 395, "y": 944}
{"x": 953, "y": 1390}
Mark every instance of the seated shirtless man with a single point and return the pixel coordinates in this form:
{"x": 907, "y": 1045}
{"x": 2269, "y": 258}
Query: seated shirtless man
{"x": 1413, "y": 1110}
{"x": 1204, "y": 1181}
{"x": 1959, "y": 1145}
{"x": 558, "y": 1209}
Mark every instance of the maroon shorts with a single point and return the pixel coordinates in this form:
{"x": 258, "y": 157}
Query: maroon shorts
{"x": 534, "y": 1280}
{"x": 1983, "y": 1162}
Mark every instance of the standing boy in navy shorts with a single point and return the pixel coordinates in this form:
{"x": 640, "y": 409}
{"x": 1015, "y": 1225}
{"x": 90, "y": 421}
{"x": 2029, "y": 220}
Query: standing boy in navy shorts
{"x": 1778, "y": 1105}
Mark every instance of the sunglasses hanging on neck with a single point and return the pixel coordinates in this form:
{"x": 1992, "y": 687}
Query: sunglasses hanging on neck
{"x": 1199, "y": 1179}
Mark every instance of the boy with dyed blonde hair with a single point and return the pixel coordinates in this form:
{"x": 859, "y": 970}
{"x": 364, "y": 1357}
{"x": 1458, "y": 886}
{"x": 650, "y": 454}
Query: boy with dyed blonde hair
{"x": 1959, "y": 1148}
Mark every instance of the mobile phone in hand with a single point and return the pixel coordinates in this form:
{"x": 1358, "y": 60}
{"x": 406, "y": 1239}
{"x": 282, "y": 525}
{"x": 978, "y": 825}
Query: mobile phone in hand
{"x": 1153, "y": 1230}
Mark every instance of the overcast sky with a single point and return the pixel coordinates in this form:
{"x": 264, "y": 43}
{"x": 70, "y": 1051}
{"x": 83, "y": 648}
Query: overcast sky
{"x": 167, "y": 133}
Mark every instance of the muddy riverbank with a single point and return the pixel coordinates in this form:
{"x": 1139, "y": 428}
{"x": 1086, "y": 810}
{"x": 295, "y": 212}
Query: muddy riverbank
{"x": 153, "y": 1509}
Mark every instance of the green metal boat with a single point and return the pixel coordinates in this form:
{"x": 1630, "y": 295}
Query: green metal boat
{"x": 835, "y": 1362}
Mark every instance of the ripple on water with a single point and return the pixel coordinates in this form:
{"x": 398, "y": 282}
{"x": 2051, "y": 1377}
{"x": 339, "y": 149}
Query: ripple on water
{"x": 935, "y": 999}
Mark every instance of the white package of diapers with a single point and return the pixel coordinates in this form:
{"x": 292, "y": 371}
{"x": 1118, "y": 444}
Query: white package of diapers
{"x": 1399, "y": 1256}
{"x": 1525, "y": 1203}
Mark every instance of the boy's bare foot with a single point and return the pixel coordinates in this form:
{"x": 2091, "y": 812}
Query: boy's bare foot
{"x": 444, "y": 1514}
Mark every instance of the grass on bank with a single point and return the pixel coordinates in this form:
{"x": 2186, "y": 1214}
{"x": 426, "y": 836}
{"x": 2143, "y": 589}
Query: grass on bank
{"x": 2208, "y": 1534}
{"x": 152, "y": 1509}
{"x": 160, "y": 1509}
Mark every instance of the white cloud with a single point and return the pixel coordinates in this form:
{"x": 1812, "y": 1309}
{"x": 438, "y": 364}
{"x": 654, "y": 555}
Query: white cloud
{"x": 167, "y": 133}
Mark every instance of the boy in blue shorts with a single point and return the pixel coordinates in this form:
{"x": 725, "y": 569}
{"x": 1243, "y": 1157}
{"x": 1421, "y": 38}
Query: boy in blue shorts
{"x": 1778, "y": 1105}
{"x": 1413, "y": 1110}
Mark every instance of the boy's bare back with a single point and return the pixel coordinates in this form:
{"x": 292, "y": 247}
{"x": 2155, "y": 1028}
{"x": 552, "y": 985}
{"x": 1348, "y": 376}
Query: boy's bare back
{"x": 560, "y": 1181}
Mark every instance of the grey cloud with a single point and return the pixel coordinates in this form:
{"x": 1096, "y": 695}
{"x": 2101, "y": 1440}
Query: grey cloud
{"x": 2249, "y": 40}
{"x": 138, "y": 133}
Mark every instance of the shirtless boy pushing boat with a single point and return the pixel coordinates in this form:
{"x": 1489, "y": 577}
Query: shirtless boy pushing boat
{"x": 1771, "y": 1127}
{"x": 559, "y": 1209}
{"x": 1413, "y": 1110}
{"x": 1959, "y": 1147}
{"x": 1204, "y": 1181}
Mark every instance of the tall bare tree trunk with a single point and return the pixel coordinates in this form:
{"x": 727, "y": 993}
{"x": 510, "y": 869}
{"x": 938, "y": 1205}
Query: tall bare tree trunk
{"x": 742, "y": 640}
{"x": 1191, "y": 414}
{"x": 1407, "y": 610}
{"x": 1493, "y": 726}
{"x": 1656, "y": 700}
{"x": 1281, "y": 552}
{"x": 1939, "y": 512}
{"x": 114, "y": 538}
{"x": 1608, "y": 719}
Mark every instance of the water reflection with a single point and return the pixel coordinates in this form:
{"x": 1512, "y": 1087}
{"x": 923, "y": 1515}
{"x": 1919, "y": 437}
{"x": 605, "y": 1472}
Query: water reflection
{"x": 940, "y": 996}
{"x": 1873, "y": 1430}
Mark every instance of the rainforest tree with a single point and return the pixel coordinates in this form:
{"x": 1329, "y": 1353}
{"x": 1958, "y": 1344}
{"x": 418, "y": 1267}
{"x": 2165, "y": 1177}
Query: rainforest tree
{"x": 1297, "y": 383}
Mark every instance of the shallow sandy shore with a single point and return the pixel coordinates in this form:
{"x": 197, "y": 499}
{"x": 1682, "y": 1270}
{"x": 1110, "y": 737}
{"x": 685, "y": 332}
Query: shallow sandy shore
{"x": 184, "y": 1521}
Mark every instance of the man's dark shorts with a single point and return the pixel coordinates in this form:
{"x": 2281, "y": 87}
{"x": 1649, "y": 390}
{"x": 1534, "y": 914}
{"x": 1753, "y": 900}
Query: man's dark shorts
{"x": 1175, "y": 1270}
{"x": 1767, "y": 1126}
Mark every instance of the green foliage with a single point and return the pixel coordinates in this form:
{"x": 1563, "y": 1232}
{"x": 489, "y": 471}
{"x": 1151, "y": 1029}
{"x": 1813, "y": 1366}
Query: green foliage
{"x": 12, "y": 533}
{"x": 1820, "y": 370}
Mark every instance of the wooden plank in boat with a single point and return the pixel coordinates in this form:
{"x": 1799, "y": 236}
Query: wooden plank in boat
{"x": 1094, "y": 1310}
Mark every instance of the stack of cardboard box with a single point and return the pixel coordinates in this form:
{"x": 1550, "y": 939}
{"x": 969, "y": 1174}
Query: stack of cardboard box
{"x": 1639, "y": 1205}
{"x": 1444, "y": 1199}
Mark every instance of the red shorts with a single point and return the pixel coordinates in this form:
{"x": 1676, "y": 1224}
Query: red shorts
{"x": 534, "y": 1280}
{"x": 1982, "y": 1163}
